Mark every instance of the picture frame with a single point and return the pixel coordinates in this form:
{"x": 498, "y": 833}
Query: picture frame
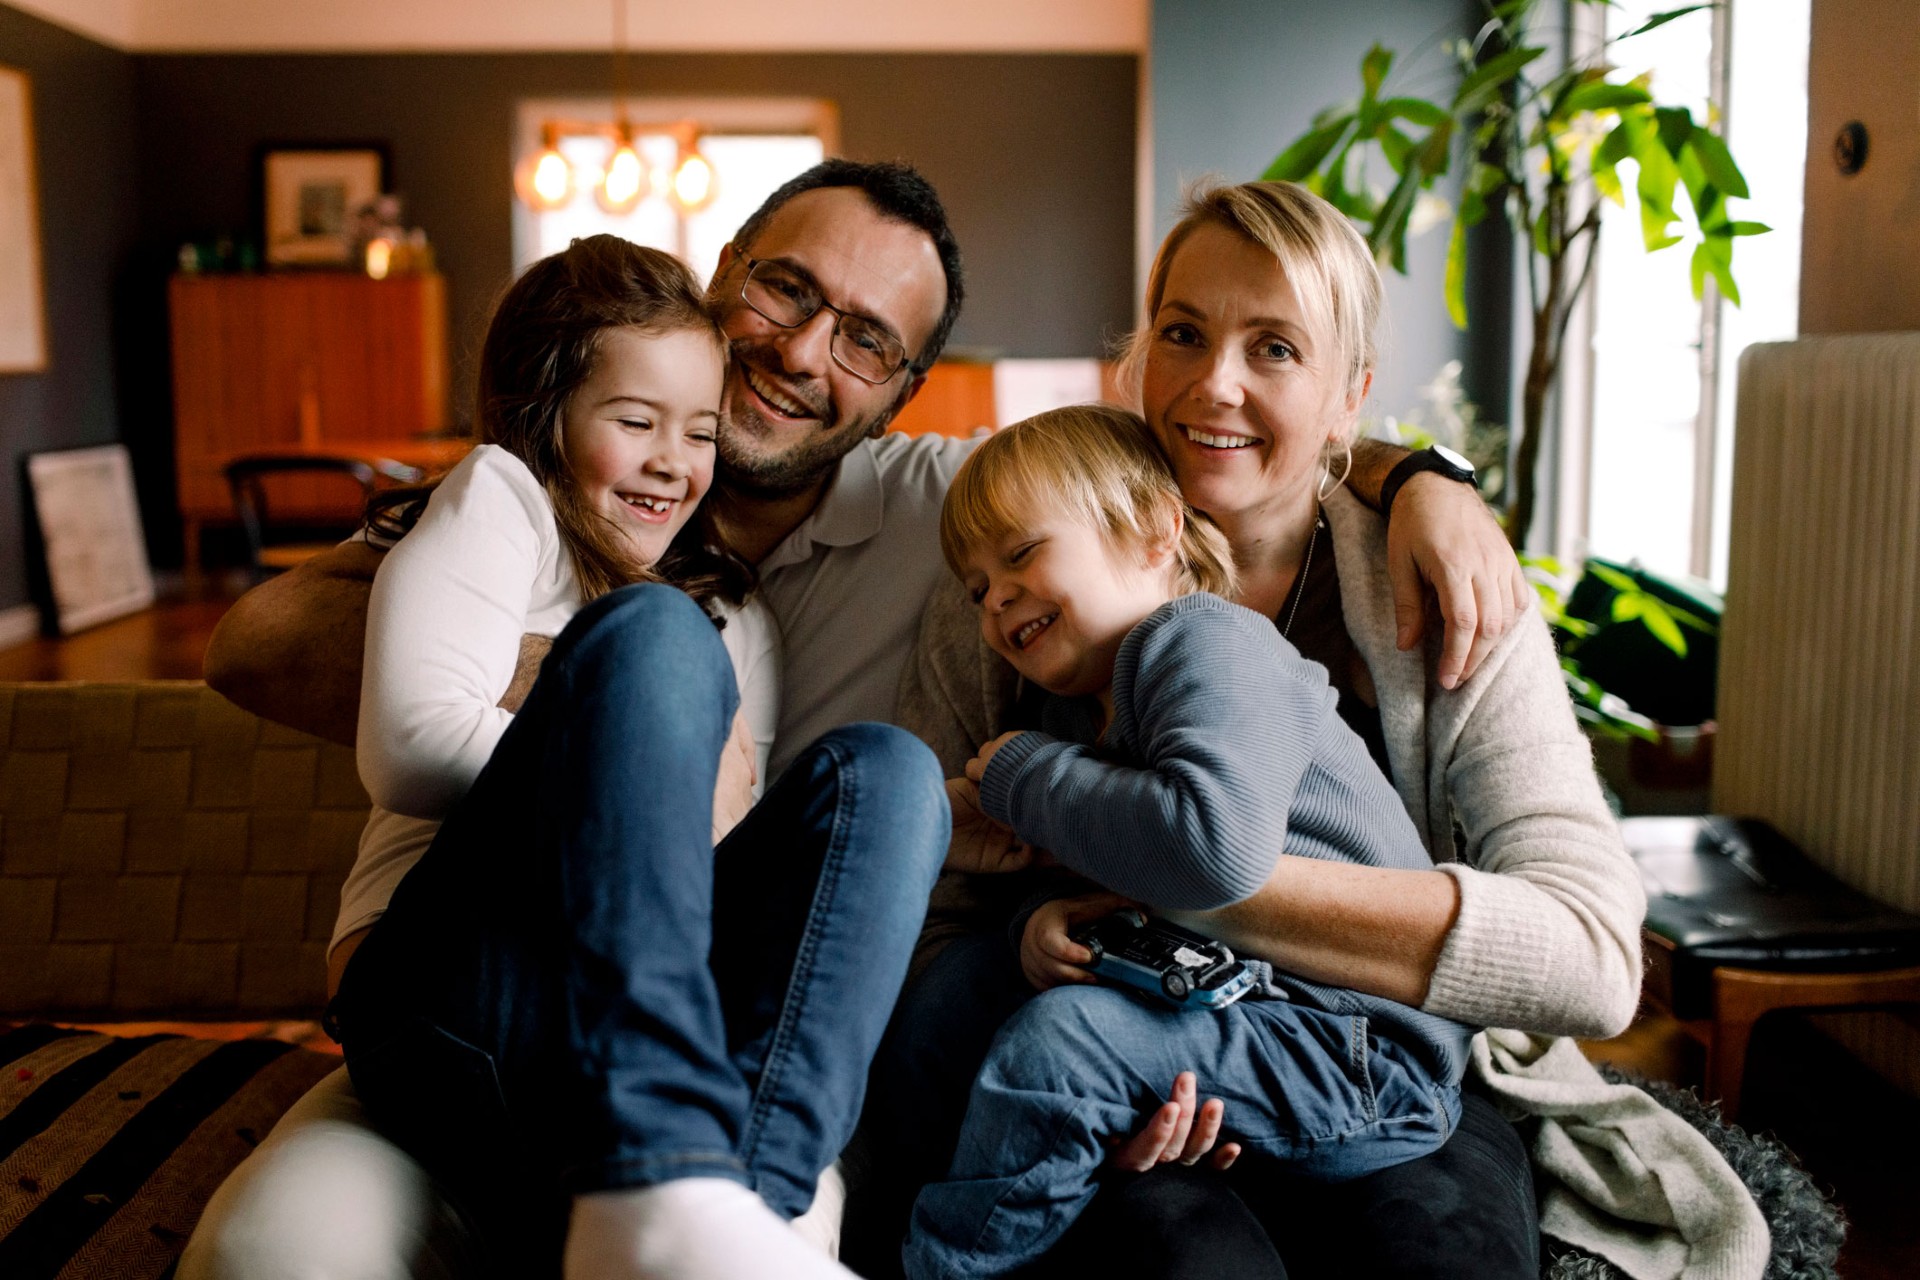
{"x": 88, "y": 518}
{"x": 23, "y": 303}
{"x": 309, "y": 196}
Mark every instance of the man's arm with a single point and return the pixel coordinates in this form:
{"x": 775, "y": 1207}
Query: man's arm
{"x": 291, "y": 649}
{"x": 1443, "y": 539}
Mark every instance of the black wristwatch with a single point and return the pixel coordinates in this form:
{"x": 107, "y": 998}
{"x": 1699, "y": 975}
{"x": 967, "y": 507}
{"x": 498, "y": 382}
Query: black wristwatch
{"x": 1437, "y": 458}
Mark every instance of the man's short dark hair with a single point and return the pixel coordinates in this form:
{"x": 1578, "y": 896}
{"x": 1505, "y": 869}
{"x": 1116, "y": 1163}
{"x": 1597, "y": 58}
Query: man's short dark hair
{"x": 898, "y": 191}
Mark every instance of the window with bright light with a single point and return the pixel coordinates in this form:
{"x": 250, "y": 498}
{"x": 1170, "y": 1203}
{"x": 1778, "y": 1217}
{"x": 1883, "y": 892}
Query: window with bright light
{"x": 1664, "y": 366}
{"x": 754, "y": 145}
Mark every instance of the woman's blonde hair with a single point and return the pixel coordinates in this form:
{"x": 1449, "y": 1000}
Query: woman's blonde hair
{"x": 1096, "y": 463}
{"x": 1323, "y": 256}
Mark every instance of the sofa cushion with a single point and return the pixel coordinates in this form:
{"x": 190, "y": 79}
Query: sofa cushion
{"x": 110, "y": 1147}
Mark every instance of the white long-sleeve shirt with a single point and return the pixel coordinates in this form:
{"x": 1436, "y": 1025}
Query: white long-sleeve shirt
{"x": 483, "y": 566}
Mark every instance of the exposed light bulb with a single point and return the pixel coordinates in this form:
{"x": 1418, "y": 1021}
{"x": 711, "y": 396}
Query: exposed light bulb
{"x": 625, "y": 182}
{"x": 553, "y": 178}
{"x": 693, "y": 182}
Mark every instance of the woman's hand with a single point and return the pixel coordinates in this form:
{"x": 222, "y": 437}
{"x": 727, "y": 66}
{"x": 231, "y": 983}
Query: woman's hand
{"x": 977, "y": 767}
{"x": 1048, "y": 956}
{"x": 979, "y": 843}
{"x": 1443, "y": 535}
{"x": 1177, "y": 1131}
{"x": 733, "y": 789}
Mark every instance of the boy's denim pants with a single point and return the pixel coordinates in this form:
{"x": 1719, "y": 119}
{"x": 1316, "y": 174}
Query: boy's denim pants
{"x": 573, "y": 990}
{"x": 1077, "y": 1064}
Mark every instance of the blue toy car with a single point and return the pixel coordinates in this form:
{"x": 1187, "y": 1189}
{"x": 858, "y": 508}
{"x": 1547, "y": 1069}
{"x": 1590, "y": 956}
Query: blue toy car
{"x": 1176, "y": 965}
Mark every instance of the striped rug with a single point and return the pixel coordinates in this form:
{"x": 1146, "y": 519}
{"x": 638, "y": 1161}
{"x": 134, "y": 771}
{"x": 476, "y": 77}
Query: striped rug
{"x": 110, "y": 1147}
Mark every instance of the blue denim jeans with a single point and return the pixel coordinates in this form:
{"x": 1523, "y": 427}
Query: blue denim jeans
{"x": 1312, "y": 1090}
{"x": 574, "y": 990}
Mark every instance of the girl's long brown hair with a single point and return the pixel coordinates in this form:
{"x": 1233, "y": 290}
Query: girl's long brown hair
{"x": 541, "y": 343}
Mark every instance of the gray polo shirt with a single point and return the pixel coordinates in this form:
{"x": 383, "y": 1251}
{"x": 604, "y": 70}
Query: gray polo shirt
{"x": 847, "y": 587}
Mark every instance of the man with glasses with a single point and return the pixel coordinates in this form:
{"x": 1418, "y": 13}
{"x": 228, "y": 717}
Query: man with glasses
{"x": 838, "y": 295}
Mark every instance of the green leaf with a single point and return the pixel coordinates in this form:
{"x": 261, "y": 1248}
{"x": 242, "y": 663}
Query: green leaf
{"x": 1598, "y": 95}
{"x": 1717, "y": 162}
{"x": 1306, "y": 152}
{"x": 1613, "y": 577}
{"x": 1658, "y": 178}
{"x": 1627, "y": 606}
{"x": 1676, "y": 126}
{"x": 1395, "y": 146}
{"x": 1662, "y": 19}
{"x": 1415, "y": 111}
{"x": 1664, "y": 628}
{"x": 1373, "y": 69}
{"x": 1456, "y": 279}
{"x": 1490, "y": 77}
{"x": 1747, "y": 228}
{"x": 1436, "y": 152}
{"x": 1389, "y": 230}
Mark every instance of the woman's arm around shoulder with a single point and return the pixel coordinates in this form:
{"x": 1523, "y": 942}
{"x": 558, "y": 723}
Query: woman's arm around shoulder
{"x": 443, "y": 633}
{"x": 1550, "y": 904}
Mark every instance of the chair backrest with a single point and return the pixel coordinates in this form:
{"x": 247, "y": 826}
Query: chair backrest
{"x": 247, "y": 476}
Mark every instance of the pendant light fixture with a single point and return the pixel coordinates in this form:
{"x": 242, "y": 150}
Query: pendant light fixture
{"x": 544, "y": 179}
{"x": 625, "y": 182}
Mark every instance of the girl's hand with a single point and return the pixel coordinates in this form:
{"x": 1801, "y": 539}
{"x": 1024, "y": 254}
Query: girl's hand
{"x": 977, "y": 767}
{"x": 1048, "y": 956}
{"x": 1177, "y": 1131}
{"x": 733, "y": 789}
{"x": 979, "y": 843}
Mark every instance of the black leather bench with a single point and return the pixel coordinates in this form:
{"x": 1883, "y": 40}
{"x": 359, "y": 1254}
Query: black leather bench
{"x": 1740, "y": 923}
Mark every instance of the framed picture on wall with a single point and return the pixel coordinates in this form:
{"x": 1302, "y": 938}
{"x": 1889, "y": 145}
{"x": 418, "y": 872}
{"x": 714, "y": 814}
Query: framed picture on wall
{"x": 89, "y": 524}
{"x": 310, "y": 196}
{"x": 23, "y": 306}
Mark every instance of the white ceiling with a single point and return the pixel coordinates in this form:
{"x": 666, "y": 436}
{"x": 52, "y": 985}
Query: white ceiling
{"x": 383, "y": 26}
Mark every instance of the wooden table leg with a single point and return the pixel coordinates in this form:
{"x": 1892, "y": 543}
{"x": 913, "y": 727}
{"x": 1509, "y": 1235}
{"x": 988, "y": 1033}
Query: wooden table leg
{"x": 1741, "y": 997}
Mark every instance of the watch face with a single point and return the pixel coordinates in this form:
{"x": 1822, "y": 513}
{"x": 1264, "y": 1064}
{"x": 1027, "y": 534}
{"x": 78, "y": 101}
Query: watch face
{"x": 1454, "y": 458}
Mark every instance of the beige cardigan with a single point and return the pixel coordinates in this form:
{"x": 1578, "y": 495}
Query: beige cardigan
{"x": 1548, "y": 935}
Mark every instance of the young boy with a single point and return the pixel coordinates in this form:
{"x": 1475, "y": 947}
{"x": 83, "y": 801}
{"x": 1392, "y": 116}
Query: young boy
{"x": 1186, "y": 746}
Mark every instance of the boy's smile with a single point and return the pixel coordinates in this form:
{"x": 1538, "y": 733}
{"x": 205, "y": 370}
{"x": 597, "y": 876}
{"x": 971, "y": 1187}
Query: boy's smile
{"x": 1056, "y": 599}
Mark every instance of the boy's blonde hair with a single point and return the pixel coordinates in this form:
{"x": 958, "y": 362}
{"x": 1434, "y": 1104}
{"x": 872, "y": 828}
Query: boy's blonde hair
{"x": 1096, "y": 463}
{"x": 1323, "y": 256}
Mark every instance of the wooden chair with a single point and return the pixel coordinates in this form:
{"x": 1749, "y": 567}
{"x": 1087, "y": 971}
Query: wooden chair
{"x": 247, "y": 476}
{"x": 1741, "y": 924}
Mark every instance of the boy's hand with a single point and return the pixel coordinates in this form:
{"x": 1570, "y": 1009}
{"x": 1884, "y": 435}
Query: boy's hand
{"x": 1048, "y": 956}
{"x": 979, "y": 843}
{"x": 977, "y": 767}
{"x": 1177, "y": 1131}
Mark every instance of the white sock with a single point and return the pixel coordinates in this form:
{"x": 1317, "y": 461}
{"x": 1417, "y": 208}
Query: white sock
{"x": 688, "y": 1229}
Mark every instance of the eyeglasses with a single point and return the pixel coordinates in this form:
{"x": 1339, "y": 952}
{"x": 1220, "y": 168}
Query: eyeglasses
{"x": 784, "y": 296}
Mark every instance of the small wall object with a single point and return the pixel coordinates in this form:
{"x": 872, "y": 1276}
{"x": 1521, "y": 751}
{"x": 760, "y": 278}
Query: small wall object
{"x": 309, "y": 199}
{"x": 89, "y": 520}
{"x": 23, "y": 307}
{"x": 1850, "y": 148}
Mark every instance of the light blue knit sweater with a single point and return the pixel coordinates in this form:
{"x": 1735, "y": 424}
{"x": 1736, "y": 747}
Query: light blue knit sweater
{"x": 1225, "y": 751}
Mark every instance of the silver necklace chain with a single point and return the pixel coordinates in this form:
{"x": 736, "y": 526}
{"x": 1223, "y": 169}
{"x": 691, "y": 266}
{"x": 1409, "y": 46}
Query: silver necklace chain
{"x": 1306, "y": 563}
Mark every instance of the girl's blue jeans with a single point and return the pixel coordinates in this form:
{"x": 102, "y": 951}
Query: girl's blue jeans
{"x": 1077, "y": 1064}
{"x": 574, "y": 990}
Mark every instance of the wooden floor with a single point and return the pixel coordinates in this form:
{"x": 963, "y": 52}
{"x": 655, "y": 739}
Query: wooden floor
{"x": 166, "y": 642}
{"x": 1852, "y": 1131}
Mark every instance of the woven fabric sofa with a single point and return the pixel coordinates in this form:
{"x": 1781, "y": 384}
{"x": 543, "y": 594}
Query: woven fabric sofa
{"x": 168, "y": 863}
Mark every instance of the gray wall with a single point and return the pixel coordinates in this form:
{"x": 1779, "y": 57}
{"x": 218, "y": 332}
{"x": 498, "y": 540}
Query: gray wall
{"x": 1033, "y": 153}
{"x": 83, "y": 107}
{"x": 1235, "y": 80}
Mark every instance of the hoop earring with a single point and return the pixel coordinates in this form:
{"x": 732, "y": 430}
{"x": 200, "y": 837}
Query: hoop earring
{"x": 1327, "y": 483}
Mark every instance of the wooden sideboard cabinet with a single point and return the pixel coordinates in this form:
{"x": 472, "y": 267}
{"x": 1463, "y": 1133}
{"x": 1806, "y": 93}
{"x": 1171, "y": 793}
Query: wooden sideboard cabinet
{"x": 309, "y": 362}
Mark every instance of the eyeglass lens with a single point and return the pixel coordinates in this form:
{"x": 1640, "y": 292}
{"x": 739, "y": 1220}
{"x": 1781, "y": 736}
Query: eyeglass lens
{"x": 787, "y": 299}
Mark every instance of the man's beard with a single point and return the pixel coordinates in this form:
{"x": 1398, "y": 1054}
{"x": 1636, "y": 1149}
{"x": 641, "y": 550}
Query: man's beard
{"x": 752, "y": 473}
{"x": 803, "y": 465}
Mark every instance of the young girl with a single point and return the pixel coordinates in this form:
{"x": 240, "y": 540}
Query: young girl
{"x": 1186, "y": 747}
{"x": 578, "y": 1013}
